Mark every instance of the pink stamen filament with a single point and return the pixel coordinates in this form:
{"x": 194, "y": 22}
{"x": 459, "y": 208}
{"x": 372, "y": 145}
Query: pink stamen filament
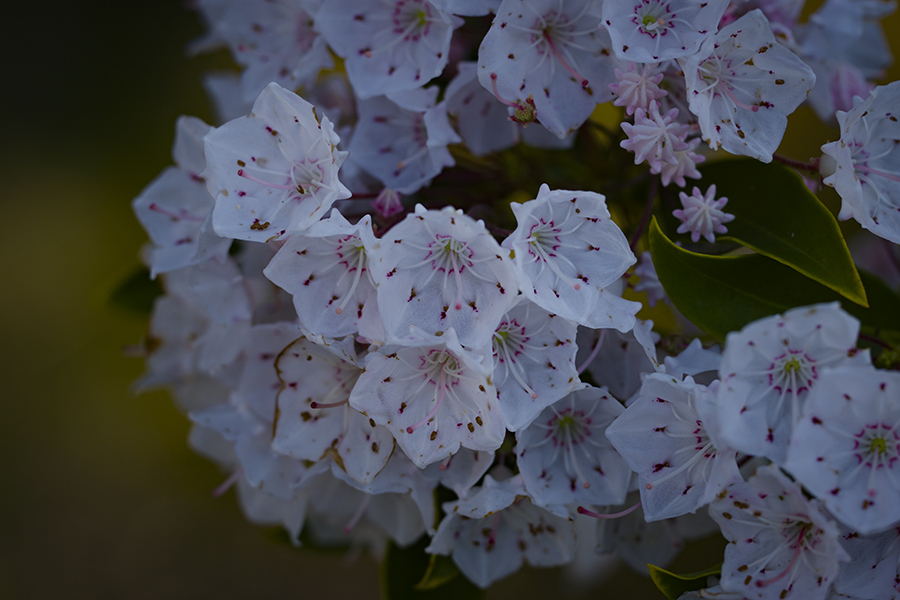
{"x": 593, "y": 353}
{"x": 352, "y": 291}
{"x": 865, "y": 169}
{"x": 492, "y": 540}
{"x": 437, "y": 405}
{"x": 499, "y": 97}
{"x": 226, "y": 485}
{"x": 583, "y": 511}
{"x": 730, "y": 94}
{"x": 242, "y": 173}
{"x": 328, "y": 404}
{"x": 181, "y": 215}
{"x": 566, "y": 66}
{"x": 790, "y": 567}
{"x": 458, "y": 305}
{"x": 358, "y": 514}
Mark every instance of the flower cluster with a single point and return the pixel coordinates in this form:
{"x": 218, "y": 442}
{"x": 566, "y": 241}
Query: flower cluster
{"x": 348, "y": 342}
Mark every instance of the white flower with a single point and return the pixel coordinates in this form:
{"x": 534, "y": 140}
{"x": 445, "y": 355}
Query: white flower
{"x": 441, "y": 269}
{"x": 742, "y": 85}
{"x": 702, "y": 215}
{"x": 273, "y": 172}
{"x": 554, "y": 53}
{"x": 564, "y": 456}
{"x": 432, "y": 395}
{"x": 387, "y": 46}
{"x": 658, "y": 30}
{"x": 846, "y": 447}
{"x": 864, "y": 165}
{"x": 568, "y": 250}
{"x": 664, "y": 439}
{"x": 781, "y": 545}
{"x": 769, "y": 367}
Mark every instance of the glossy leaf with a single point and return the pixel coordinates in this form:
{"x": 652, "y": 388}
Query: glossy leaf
{"x": 673, "y": 586}
{"x": 777, "y": 216}
{"x": 403, "y": 570}
{"x": 723, "y": 293}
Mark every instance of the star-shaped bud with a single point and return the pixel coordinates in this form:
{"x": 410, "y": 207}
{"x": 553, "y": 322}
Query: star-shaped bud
{"x": 654, "y": 137}
{"x": 687, "y": 161}
{"x": 846, "y": 447}
{"x": 273, "y": 172}
{"x": 568, "y": 251}
{"x": 636, "y": 88}
{"x": 702, "y": 215}
{"x": 439, "y": 270}
{"x": 433, "y": 396}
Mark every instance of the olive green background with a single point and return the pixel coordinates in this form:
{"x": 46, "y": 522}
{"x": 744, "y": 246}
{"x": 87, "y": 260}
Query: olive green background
{"x": 101, "y": 497}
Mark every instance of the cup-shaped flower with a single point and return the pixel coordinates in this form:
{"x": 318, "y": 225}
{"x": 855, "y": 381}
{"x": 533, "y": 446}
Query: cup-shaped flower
{"x": 433, "y": 396}
{"x": 273, "y": 172}
{"x": 567, "y": 250}
{"x": 864, "y": 165}
{"x": 846, "y": 447}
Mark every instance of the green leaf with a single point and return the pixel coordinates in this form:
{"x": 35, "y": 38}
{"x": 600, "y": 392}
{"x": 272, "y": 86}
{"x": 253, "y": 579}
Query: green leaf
{"x": 777, "y": 216}
{"x": 673, "y": 586}
{"x": 441, "y": 569}
{"x": 136, "y": 292}
{"x": 403, "y": 570}
{"x": 723, "y": 293}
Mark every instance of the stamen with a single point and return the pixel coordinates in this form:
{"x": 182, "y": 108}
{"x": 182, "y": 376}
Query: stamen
{"x": 499, "y": 97}
{"x": 583, "y": 511}
{"x": 358, "y": 514}
{"x": 242, "y": 173}
{"x": 437, "y": 405}
{"x": 866, "y": 169}
{"x": 181, "y": 215}
{"x": 328, "y": 404}
{"x": 584, "y": 82}
{"x": 593, "y": 353}
{"x": 359, "y": 268}
{"x": 226, "y": 485}
{"x": 787, "y": 569}
{"x": 730, "y": 94}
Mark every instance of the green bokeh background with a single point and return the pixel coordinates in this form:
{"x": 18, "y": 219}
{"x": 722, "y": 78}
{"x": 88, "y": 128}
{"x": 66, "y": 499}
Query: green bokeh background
{"x": 101, "y": 497}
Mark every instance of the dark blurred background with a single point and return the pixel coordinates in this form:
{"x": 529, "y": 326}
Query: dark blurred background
{"x": 100, "y": 495}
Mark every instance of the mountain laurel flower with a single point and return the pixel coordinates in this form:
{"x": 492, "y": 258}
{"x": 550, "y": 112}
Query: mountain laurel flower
{"x": 553, "y": 52}
{"x": 768, "y": 369}
{"x": 654, "y": 137}
{"x": 742, "y": 84}
{"x": 687, "y": 161}
{"x": 433, "y": 395}
{"x": 702, "y": 215}
{"x": 864, "y": 165}
{"x": 781, "y": 545}
{"x": 440, "y": 269}
{"x": 387, "y": 46}
{"x": 275, "y": 171}
{"x": 846, "y": 447}
{"x": 567, "y": 251}
{"x": 649, "y": 31}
